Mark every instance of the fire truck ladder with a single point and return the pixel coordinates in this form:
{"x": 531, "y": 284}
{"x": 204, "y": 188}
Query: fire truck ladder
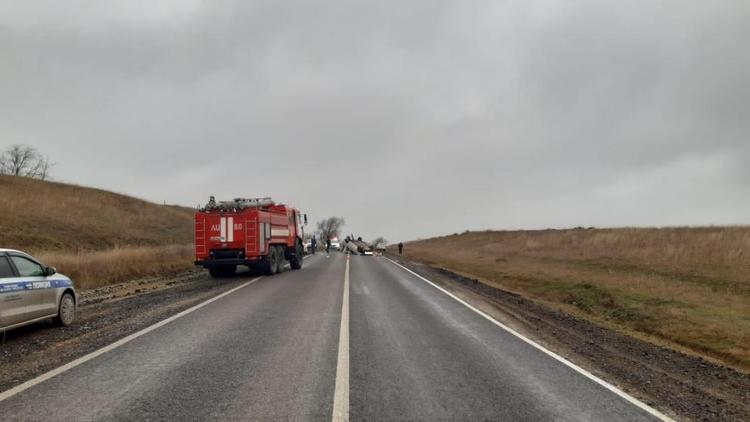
{"x": 200, "y": 237}
{"x": 251, "y": 237}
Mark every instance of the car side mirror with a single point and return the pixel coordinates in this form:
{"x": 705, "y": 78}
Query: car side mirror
{"x": 50, "y": 271}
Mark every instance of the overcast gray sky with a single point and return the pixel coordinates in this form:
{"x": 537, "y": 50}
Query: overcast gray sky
{"x": 409, "y": 119}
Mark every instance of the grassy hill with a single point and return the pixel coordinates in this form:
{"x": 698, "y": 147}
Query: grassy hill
{"x": 685, "y": 287}
{"x": 94, "y": 236}
{"x": 47, "y": 216}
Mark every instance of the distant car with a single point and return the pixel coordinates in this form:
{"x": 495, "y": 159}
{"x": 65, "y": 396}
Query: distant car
{"x": 335, "y": 244}
{"x": 31, "y": 292}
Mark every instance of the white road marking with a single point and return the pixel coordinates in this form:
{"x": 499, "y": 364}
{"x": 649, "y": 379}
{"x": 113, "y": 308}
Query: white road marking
{"x": 341, "y": 392}
{"x": 57, "y": 371}
{"x": 557, "y": 357}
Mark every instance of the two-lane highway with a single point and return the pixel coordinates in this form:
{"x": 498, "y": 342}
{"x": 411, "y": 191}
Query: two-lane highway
{"x": 272, "y": 349}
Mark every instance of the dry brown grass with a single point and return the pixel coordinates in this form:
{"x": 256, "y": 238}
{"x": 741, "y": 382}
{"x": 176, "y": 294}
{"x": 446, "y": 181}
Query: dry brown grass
{"x": 95, "y": 269}
{"x": 688, "y": 287}
{"x": 94, "y": 236}
{"x": 42, "y": 216}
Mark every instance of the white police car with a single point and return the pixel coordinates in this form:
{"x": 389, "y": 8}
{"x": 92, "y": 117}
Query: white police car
{"x": 31, "y": 292}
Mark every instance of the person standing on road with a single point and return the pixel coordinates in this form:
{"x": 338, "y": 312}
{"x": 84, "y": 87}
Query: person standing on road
{"x": 313, "y": 244}
{"x": 400, "y": 248}
{"x": 328, "y": 245}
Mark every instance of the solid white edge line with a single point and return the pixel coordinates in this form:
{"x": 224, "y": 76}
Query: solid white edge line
{"x": 70, "y": 365}
{"x": 341, "y": 391}
{"x": 557, "y": 357}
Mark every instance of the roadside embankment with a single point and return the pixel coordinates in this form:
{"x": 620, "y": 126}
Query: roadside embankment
{"x": 94, "y": 236}
{"x": 38, "y": 216}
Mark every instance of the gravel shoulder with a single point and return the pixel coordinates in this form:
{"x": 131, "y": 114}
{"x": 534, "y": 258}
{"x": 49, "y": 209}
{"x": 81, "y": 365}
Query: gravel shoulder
{"x": 105, "y": 315}
{"x": 683, "y": 386}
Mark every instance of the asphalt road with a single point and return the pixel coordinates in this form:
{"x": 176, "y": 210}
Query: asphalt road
{"x": 275, "y": 349}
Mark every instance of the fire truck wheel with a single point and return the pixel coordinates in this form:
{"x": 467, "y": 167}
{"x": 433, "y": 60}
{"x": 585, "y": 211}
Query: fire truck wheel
{"x": 268, "y": 266}
{"x": 296, "y": 262}
{"x": 280, "y": 259}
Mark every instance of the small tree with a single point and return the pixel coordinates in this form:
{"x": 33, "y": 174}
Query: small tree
{"x": 379, "y": 243}
{"x": 18, "y": 160}
{"x": 24, "y": 160}
{"x": 42, "y": 168}
{"x": 330, "y": 227}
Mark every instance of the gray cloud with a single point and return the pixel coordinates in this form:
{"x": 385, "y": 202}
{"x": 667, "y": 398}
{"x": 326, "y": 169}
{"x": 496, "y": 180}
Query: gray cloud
{"x": 410, "y": 119}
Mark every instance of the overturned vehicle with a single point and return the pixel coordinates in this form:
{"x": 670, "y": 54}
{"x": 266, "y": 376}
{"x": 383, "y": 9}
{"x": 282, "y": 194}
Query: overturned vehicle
{"x": 357, "y": 246}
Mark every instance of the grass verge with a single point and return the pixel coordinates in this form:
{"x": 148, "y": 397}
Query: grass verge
{"x": 99, "y": 268}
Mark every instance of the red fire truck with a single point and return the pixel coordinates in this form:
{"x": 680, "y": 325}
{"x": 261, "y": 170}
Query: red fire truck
{"x": 256, "y": 232}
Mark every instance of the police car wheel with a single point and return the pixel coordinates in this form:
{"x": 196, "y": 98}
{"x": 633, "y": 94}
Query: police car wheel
{"x": 66, "y": 313}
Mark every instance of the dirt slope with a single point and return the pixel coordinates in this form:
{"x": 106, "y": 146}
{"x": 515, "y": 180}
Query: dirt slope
{"x": 47, "y": 216}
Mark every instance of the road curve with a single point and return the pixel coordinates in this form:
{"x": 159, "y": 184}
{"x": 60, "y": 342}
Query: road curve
{"x": 270, "y": 351}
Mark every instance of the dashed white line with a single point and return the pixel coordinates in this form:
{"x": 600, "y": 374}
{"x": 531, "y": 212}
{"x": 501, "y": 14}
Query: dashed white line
{"x": 341, "y": 391}
{"x": 554, "y": 355}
